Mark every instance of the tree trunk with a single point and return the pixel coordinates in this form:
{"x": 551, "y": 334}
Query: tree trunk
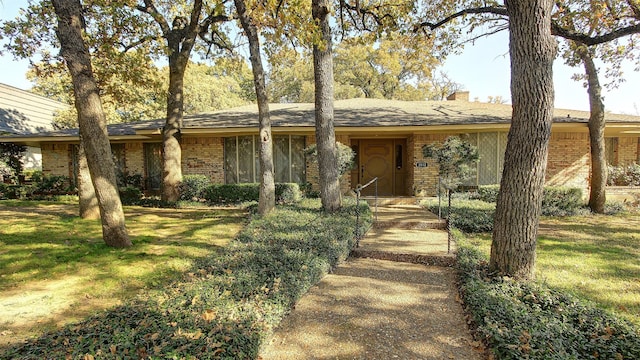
{"x": 91, "y": 121}
{"x": 89, "y": 208}
{"x": 172, "y": 152}
{"x": 597, "y": 194}
{"x": 180, "y": 38}
{"x": 267, "y": 198}
{"x": 532, "y": 49}
{"x": 325, "y": 134}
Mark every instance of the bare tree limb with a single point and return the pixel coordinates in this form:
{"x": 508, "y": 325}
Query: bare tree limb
{"x": 150, "y": 8}
{"x": 556, "y": 29}
{"x": 593, "y": 40}
{"x": 496, "y": 10}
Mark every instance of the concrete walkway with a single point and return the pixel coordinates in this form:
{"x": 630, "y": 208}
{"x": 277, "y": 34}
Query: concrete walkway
{"x": 388, "y": 301}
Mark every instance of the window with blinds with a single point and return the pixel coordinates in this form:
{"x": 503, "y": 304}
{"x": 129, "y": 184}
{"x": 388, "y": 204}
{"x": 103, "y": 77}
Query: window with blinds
{"x": 242, "y": 163}
{"x": 491, "y": 147}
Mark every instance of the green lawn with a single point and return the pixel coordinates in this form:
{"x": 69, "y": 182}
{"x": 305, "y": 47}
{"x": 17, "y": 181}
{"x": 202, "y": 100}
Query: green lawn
{"x": 594, "y": 257}
{"x": 55, "y": 268}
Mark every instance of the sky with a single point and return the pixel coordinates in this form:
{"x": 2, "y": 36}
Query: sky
{"x": 482, "y": 68}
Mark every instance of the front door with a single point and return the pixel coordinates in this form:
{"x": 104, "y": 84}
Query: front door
{"x": 384, "y": 159}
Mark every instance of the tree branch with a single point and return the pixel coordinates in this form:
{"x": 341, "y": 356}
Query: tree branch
{"x": 150, "y": 8}
{"x": 556, "y": 29}
{"x": 127, "y": 47}
{"x": 593, "y": 40}
{"x": 496, "y": 10}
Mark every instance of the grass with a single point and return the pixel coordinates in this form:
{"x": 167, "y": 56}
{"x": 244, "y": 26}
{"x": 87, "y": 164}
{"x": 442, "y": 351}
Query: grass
{"x": 225, "y": 305}
{"x": 55, "y": 268}
{"x": 594, "y": 257}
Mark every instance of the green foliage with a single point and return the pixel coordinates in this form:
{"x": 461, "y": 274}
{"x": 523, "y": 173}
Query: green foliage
{"x": 226, "y": 306}
{"x": 470, "y": 216}
{"x": 209, "y": 88}
{"x": 562, "y": 201}
{"x": 130, "y": 195}
{"x": 556, "y": 201}
{"x": 345, "y": 156}
{"x": 53, "y": 185}
{"x": 124, "y": 179}
{"x": 11, "y": 155}
{"x": 193, "y": 187}
{"x": 455, "y": 159}
{"x": 474, "y": 212}
{"x": 521, "y": 320}
{"x": 9, "y": 191}
{"x": 624, "y": 175}
{"x": 488, "y": 193}
{"x": 286, "y": 193}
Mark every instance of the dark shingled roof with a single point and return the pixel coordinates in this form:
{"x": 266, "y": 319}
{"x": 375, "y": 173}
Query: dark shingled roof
{"x": 356, "y": 113}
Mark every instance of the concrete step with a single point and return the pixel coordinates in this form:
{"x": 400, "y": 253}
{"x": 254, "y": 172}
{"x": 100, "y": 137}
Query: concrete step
{"x": 410, "y": 225}
{"x": 411, "y": 217}
{"x": 427, "y": 247}
{"x": 396, "y": 200}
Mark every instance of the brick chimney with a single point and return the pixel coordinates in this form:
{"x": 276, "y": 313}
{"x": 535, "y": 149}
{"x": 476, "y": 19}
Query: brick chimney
{"x": 459, "y": 96}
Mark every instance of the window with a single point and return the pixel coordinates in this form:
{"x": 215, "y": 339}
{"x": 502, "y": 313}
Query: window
{"x": 491, "y": 148}
{"x": 242, "y": 163}
{"x": 118, "y": 153}
{"x": 153, "y": 165}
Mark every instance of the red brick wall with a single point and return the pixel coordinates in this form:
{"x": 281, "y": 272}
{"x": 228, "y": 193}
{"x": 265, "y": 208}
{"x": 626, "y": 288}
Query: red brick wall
{"x": 627, "y": 150}
{"x": 134, "y": 158}
{"x": 56, "y": 159}
{"x": 568, "y": 163}
{"x": 425, "y": 179}
{"x": 205, "y": 156}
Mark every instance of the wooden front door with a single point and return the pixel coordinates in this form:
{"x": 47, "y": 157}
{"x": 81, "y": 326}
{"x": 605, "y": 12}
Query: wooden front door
{"x": 384, "y": 159}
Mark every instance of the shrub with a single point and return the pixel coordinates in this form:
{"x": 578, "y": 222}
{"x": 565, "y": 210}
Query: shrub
{"x": 470, "y": 216}
{"x": 526, "y": 320}
{"x": 130, "y": 195}
{"x": 288, "y": 193}
{"x": 239, "y": 193}
{"x": 624, "y": 175}
{"x": 488, "y": 193}
{"x": 135, "y": 180}
{"x": 562, "y": 201}
{"x": 53, "y": 185}
{"x": 556, "y": 201}
{"x": 8, "y": 191}
{"x": 193, "y": 187}
{"x": 231, "y": 193}
{"x": 225, "y": 307}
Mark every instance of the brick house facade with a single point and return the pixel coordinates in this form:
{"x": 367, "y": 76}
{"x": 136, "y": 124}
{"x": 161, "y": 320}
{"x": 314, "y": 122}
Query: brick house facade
{"x": 388, "y": 137}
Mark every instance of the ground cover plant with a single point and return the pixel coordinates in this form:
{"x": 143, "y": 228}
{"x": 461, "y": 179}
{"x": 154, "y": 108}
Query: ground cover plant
{"x": 593, "y": 257}
{"x": 531, "y": 320}
{"x": 226, "y": 304}
{"x": 55, "y": 268}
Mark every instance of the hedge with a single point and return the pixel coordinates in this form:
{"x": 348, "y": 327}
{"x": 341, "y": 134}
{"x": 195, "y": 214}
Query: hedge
{"x": 556, "y": 201}
{"x": 286, "y": 193}
{"x": 527, "y": 320}
{"x": 227, "y": 305}
{"x": 473, "y": 213}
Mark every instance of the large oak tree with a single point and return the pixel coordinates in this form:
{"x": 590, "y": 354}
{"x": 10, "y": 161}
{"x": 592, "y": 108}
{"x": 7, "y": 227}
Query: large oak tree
{"x": 92, "y": 121}
{"x": 266, "y": 200}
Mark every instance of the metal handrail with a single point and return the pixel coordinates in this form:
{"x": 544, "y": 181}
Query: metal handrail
{"x": 358, "y": 190}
